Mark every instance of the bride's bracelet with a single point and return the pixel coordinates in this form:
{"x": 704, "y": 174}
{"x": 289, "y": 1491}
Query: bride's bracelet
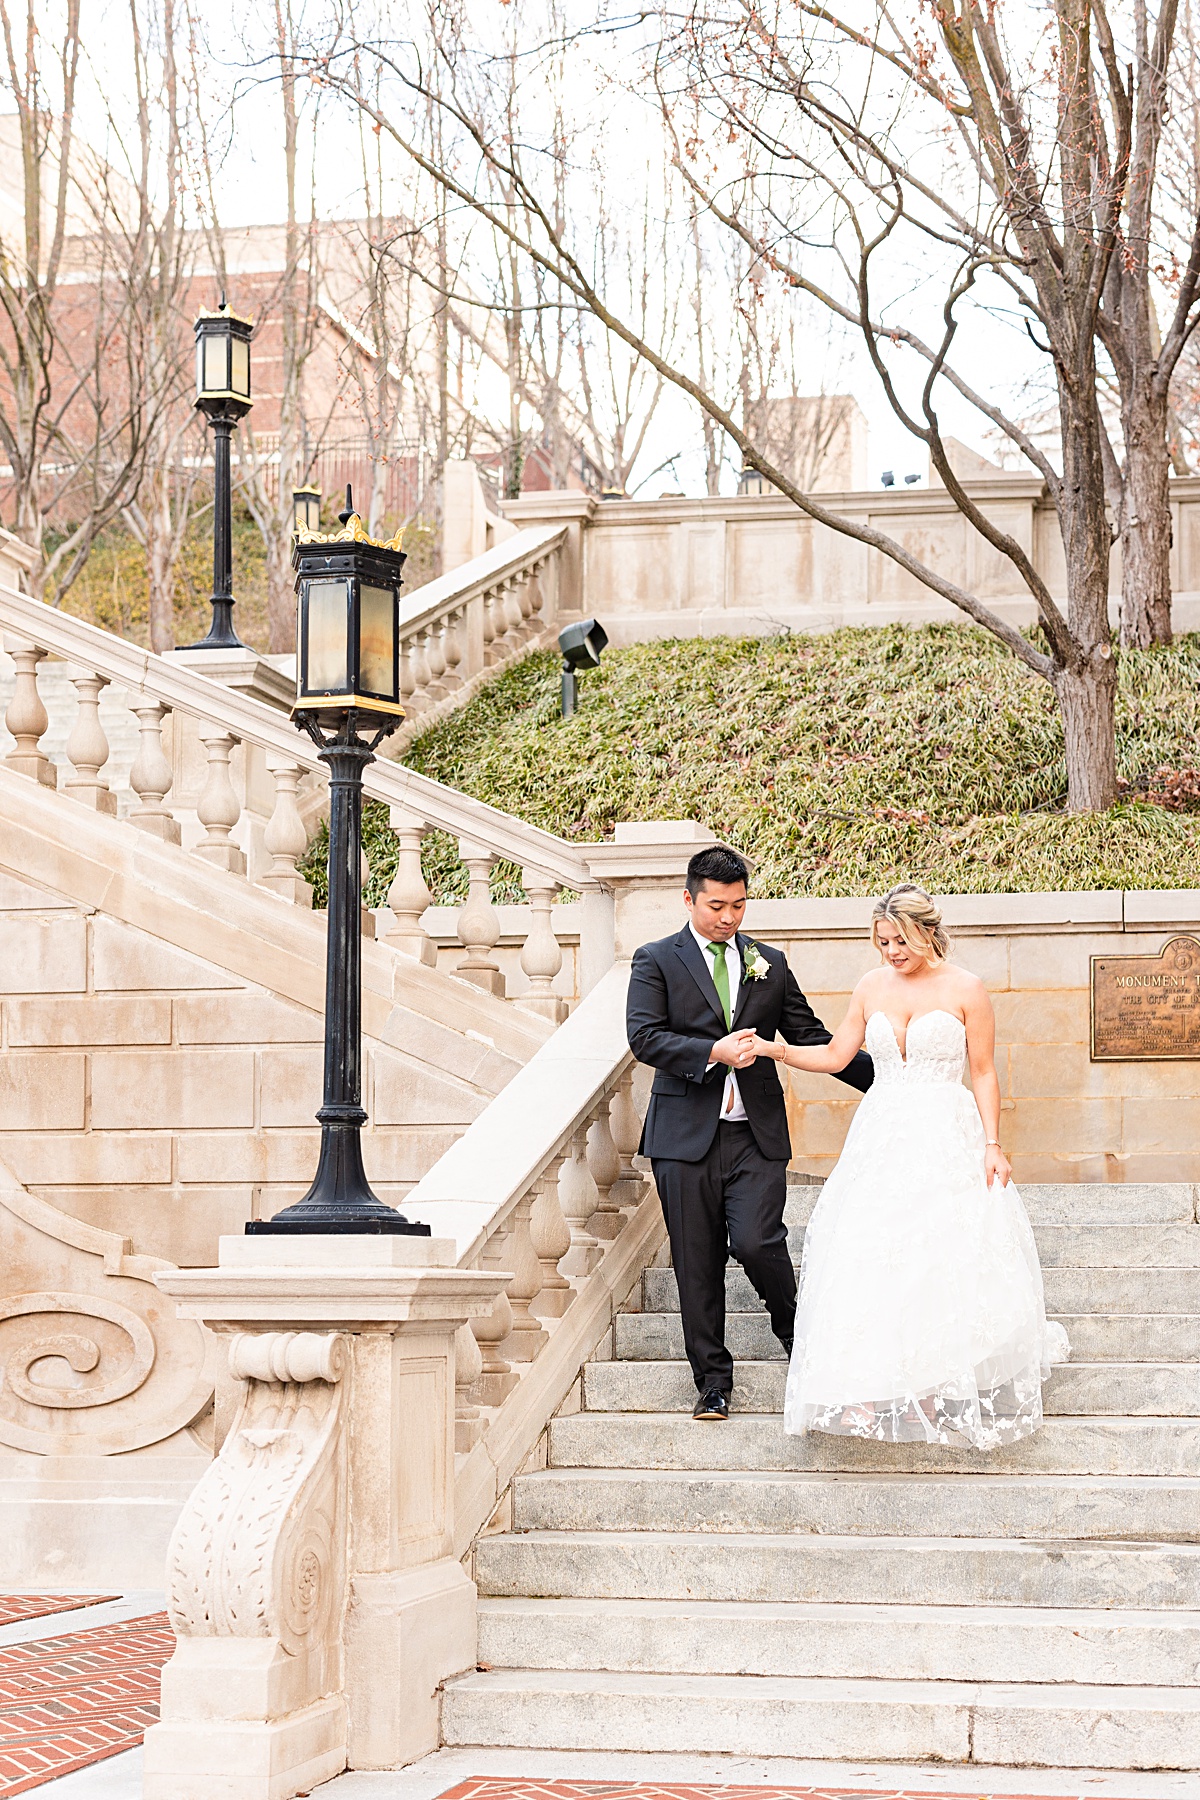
{"x": 992, "y": 1143}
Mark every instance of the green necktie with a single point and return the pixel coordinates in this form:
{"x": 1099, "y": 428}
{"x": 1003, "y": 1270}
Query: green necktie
{"x": 721, "y": 980}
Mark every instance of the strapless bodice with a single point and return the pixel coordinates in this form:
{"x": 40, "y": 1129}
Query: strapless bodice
{"x": 936, "y": 1043}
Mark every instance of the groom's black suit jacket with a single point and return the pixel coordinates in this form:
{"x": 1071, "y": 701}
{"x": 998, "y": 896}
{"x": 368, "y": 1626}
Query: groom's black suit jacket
{"x": 674, "y": 1018}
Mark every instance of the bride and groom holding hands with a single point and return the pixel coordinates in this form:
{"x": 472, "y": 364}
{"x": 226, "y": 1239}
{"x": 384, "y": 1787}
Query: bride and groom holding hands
{"x": 919, "y": 1315}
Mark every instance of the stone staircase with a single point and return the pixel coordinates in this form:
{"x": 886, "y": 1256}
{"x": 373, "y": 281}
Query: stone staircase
{"x": 723, "y": 1588}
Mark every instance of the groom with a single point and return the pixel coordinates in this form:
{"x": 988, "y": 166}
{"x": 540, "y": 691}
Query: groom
{"x": 716, "y": 1129}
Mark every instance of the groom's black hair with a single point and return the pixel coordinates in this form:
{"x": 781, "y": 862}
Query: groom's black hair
{"x": 718, "y": 863}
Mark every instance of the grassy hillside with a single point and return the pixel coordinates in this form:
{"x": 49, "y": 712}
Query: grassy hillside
{"x": 841, "y": 763}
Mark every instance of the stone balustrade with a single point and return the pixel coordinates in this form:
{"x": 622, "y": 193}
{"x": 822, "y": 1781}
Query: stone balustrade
{"x": 452, "y": 638}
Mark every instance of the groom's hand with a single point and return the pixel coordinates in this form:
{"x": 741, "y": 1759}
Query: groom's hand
{"x": 736, "y": 1050}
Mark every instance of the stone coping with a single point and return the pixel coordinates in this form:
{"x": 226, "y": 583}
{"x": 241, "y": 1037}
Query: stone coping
{"x": 970, "y": 915}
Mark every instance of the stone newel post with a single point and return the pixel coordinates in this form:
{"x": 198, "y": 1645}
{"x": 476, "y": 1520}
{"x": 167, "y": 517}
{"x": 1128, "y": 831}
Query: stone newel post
{"x": 311, "y": 1580}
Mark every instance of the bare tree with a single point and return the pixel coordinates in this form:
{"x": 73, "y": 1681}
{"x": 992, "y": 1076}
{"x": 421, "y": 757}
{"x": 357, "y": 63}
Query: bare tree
{"x": 158, "y": 514}
{"x": 268, "y": 481}
{"x": 795, "y": 92}
{"x": 76, "y": 399}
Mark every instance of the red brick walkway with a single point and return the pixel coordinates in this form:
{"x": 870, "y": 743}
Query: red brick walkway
{"x": 15, "y": 1608}
{"x": 494, "y": 1788}
{"x": 73, "y": 1700}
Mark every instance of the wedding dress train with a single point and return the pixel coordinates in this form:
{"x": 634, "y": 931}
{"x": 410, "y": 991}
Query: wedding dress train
{"x": 921, "y": 1316}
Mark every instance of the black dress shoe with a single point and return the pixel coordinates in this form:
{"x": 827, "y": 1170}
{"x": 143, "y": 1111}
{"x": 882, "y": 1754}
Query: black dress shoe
{"x": 711, "y": 1405}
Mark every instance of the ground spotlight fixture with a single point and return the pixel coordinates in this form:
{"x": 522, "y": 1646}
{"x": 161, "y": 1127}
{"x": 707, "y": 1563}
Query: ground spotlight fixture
{"x": 909, "y": 479}
{"x": 581, "y": 646}
{"x": 887, "y": 479}
{"x": 306, "y": 509}
{"x": 223, "y": 396}
{"x": 347, "y": 700}
{"x": 752, "y": 481}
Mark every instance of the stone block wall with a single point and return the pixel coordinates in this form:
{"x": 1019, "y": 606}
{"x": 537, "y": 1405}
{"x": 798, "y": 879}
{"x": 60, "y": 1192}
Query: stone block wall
{"x": 161, "y": 1050}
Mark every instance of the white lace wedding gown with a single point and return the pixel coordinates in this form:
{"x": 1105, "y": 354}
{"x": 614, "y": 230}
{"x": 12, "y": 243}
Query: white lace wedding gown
{"x": 921, "y": 1316}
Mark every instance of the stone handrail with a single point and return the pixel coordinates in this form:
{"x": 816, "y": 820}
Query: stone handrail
{"x": 542, "y": 1184}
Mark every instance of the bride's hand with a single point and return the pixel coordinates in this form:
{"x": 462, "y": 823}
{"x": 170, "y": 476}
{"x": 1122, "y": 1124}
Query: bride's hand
{"x": 997, "y": 1166}
{"x": 761, "y": 1047}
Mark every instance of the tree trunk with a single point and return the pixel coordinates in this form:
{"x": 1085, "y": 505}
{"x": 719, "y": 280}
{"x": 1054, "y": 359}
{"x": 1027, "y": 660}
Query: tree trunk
{"x": 281, "y": 593}
{"x": 1085, "y": 683}
{"x": 160, "y": 569}
{"x": 1146, "y": 521}
{"x": 1086, "y": 698}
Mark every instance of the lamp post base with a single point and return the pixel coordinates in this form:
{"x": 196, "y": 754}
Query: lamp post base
{"x": 220, "y": 635}
{"x": 340, "y": 1202}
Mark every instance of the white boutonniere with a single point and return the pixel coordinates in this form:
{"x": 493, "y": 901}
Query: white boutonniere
{"x": 755, "y": 963}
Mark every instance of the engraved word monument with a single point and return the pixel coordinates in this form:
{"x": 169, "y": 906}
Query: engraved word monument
{"x": 1147, "y": 1008}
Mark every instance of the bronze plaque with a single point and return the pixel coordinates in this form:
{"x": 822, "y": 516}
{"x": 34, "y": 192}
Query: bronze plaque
{"x": 1147, "y": 1008}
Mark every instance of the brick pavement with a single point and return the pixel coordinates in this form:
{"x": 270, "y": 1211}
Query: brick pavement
{"x": 496, "y": 1788}
{"x": 73, "y": 1700}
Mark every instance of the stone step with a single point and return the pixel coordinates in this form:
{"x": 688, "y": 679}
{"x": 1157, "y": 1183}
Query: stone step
{"x": 893, "y": 1571}
{"x": 1067, "y": 1726}
{"x": 1101, "y": 1290}
{"x": 1120, "y": 1389}
{"x": 1064, "y": 1203}
{"x": 1095, "y": 1337}
{"x": 1096, "y": 1246}
{"x": 895, "y": 1643}
{"x": 1068, "y": 1446}
{"x": 984, "y": 1506}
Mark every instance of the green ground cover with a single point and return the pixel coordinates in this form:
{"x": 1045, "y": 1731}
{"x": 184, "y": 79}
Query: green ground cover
{"x": 841, "y": 763}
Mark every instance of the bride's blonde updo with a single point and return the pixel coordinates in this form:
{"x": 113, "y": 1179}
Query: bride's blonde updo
{"x": 916, "y": 918}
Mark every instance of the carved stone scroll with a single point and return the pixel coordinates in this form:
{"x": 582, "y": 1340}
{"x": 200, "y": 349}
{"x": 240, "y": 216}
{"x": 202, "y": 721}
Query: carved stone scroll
{"x": 93, "y": 1361}
{"x": 259, "y": 1550}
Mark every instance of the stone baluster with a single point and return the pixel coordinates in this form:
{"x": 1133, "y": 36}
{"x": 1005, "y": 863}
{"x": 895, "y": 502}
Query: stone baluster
{"x": 605, "y": 1165}
{"x": 408, "y": 680}
{"x": 218, "y": 808}
{"x": 468, "y": 1367}
{"x": 453, "y": 648}
{"x": 87, "y": 746}
{"x": 537, "y": 602}
{"x": 408, "y": 895}
{"x": 479, "y": 922}
{"x": 513, "y": 636}
{"x": 285, "y": 839}
{"x": 493, "y": 626}
{"x": 420, "y": 671}
{"x": 498, "y": 1378}
{"x": 626, "y": 1130}
{"x": 527, "y": 1336}
{"x": 550, "y": 1236}
{"x": 525, "y": 602}
{"x": 26, "y": 717}
{"x": 577, "y": 1196}
{"x": 541, "y": 954}
{"x": 150, "y": 777}
{"x": 435, "y": 656}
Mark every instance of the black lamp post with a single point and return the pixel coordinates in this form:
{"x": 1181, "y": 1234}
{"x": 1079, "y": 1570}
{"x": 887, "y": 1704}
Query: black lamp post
{"x": 223, "y": 396}
{"x": 348, "y": 700}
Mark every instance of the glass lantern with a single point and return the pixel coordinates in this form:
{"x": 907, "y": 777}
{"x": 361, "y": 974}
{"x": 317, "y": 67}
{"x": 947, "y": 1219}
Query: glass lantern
{"x": 306, "y": 509}
{"x": 223, "y": 360}
{"x": 348, "y": 621}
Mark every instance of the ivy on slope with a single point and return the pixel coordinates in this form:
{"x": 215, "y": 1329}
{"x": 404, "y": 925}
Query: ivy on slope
{"x": 840, "y": 763}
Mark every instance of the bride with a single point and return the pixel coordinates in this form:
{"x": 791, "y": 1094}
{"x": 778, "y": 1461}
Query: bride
{"x": 920, "y": 1316}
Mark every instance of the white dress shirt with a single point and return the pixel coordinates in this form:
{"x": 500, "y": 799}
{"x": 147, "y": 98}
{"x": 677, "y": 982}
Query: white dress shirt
{"x": 732, "y": 1112}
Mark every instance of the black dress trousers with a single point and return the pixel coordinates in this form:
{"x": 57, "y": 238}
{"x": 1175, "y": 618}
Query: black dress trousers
{"x": 729, "y": 1203}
